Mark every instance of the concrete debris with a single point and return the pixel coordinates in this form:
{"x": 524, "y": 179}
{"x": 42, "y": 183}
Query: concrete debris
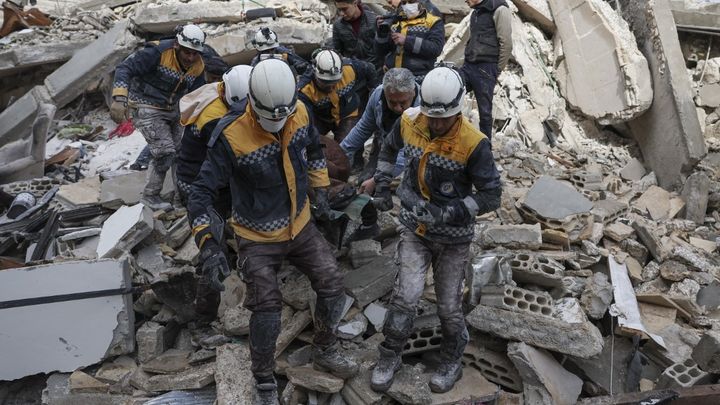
{"x": 81, "y": 382}
{"x": 540, "y": 369}
{"x": 234, "y": 380}
{"x": 170, "y": 362}
{"x": 512, "y": 236}
{"x": 603, "y": 73}
{"x": 685, "y": 374}
{"x": 191, "y": 379}
{"x": 127, "y": 227}
{"x": 153, "y": 339}
{"x": 494, "y": 366}
{"x": 58, "y": 392}
{"x": 363, "y": 252}
{"x": 314, "y": 380}
{"x": 372, "y": 281}
{"x": 537, "y": 11}
{"x": 471, "y": 388}
{"x": 695, "y": 192}
{"x": 410, "y": 386}
{"x": 597, "y": 296}
{"x": 45, "y": 344}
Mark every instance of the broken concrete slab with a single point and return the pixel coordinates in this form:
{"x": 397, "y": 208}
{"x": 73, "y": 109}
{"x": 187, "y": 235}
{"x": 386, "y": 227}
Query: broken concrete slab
{"x": 81, "y": 382}
{"x": 618, "y": 231}
{"x": 314, "y": 380}
{"x": 57, "y": 392}
{"x": 363, "y": 252}
{"x": 376, "y": 313}
{"x": 695, "y": 192}
{"x": 536, "y": 269}
{"x": 127, "y": 227}
{"x": 188, "y": 253}
{"x": 582, "y": 340}
{"x": 539, "y": 368}
{"x": 162, "y": 19}
{"x": 671, "y": 120}
{"x": 290, "y": 330}
{"x": 84, "y": 193}
{"x": 113, "y": 372}
{"x": 597, "y": 296}
{"x": 233, "y": 377}
{"x": 153, "y": 339}
{"x": 673, "y": 270}
{"x": 607, "y": 211}
{"x": 90, "y": 63}
{"x": 357, "y": 389}
{"x": 616, "y": 355}
{"x": 633, "y": 171}
{"x": 353, "y": 328}
{"x": 512, "y": 236}
{"x": 603, "y": 74}
{"x": 236, "y": 321}
{"x": 650, "y": 237}
{"x": 178, "y": 233}
{"x": 191, "y": 379}
{"x": 23, "y": 131}
{"x": 52, "y": 341}
{"x": 410, "y": 387}
{"x": 169, "y": 362}
{"x": 19, "y": 59}
{"x": 150, "y": 259}
{"x": 494, "y": 366}
{"x": 656, "y": 202}
{"x": 554, "y": 199}
{"x": 372, "y": 281}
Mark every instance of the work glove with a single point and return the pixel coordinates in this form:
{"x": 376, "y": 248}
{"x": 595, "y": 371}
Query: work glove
{"x": 118, "y": 109}
{"x": 214, "y": 263}
{"x": 456, "y": 212}
{"x": 382, "y": 198}
{"x": 321, "y": 207}
{"x": 427, "y": 213}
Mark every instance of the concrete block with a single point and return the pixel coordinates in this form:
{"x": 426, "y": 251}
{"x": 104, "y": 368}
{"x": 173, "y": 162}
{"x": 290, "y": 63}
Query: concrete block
{"x": 618, "y": 231}
{"x": 536, "y": 269}
{"x": 649, "y": 236}
{"x": 153, "y": 339}
{"x": 42, "y": 338}
{"x": 314, "y": 380}
{"x": 604, "y": 74}
{"x": 607, "y": 211}
{"x": 556, "y": 200}
{"x": 233, "y": 378}
{"x": 635, "y": 249}
{"x": 669, "y": 133}
{"x": 537, "y": 11}
{"x": 582, "y": 340}
{"x": 517, "y": 299}
{"x": 372, "y": 281}
{"x": 18, "y": 59}
{"x": 81, "y": 194}
{"x": 707, "y": 352}
{"x": 127, "y": 227}
{"x": 471, "y": 388}
{"x": 178, "y": 233}
{"x": 58, "y": 392}
{"x": 494, "y": 366}
{"x": 633, "y": 171}
{"x": 169, "y": 362}
{"x": 683, "y": 375}
{"x": 113, "y": 372}
{"x": 512, "y": 236}
{"x": 597, "y": 296}
{"x": 23, "y": 131}
{"x": 163, "y": 18}
{"x": 695, "y": 192}
{"x": 193, "y": 378}
{"x": 588, "y": 181}
{"x": 353, "y": 328}
{"x": 81, "y": 382}
{"x": 357, "y": 390}
{"x": 423, "y": 340}
{"x": 90, "y": 63}
{"x": 539, "y": 368}
{"x": 363, "y": 252}
{"x": 376, "y": 313}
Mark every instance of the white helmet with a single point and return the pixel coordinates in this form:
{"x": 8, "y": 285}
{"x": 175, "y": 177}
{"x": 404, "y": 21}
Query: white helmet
{"x": 272, "y": 93}
{"x": 191, "y": 36}
{"x": 265, "y": 39}
{"x": 328, "y": 65}
{"x": 441, "y": 93}
{"x": 236, "y": 83}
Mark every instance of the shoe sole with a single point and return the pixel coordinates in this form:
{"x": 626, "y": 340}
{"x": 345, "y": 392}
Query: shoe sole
{"x": 438, "y": 390}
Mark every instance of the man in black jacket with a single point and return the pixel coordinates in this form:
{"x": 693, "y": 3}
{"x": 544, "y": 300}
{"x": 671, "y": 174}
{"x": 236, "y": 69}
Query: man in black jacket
{"x": 487, "y": 53}
{"x": 354, "y": 31}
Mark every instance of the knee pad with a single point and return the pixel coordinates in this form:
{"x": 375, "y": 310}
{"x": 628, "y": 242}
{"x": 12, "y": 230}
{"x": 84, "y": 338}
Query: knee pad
{"x": 399, "y": 324}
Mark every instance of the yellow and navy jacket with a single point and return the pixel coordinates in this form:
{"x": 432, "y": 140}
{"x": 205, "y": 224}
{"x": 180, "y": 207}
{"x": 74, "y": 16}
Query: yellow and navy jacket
{"x": 440, "y": 170}
{"x": 343, "y": 101}
{"x": 153, "y": 76}
{"x": 424, "y": 41}
{"x": 269, "y": 177}
{"x": 196, "y": 136}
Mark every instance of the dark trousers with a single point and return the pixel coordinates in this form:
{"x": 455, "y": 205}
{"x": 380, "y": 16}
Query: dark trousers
{"x": 481, "y": 79}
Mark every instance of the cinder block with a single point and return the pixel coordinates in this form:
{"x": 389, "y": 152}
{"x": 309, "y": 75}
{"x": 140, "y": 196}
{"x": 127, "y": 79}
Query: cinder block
{"x": 536, "y": 269}
{"x": 517, "y": 299}
{"x": 423, "y": 340}
{"x": 607, "y": 211}
{"x": 494, "y": 366}
{"x": 587, "y": 181}
{"x": 683, "y": 375}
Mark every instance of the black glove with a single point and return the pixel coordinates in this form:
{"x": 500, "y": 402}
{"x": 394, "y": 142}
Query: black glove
{"x": 321, "y": 208}
{"x": 428, "y": 213}
{"x": 214, "y": 263}
{"x": 456, "y": 212}
{"x": 382, "y": 198}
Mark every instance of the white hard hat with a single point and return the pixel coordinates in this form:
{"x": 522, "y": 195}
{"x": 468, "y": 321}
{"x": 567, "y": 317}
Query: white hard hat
{"x": 441, "y": 93}
{"x": 191, "y": 36}
{"x": 272, "y": 93}
{"x": 265, "y": 39}
{"x": 328, "y": 65}
{"x": 236, "y": 83}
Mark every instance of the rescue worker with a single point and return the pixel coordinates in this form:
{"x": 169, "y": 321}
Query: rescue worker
{"x": 266, "y": 43}
{"x": 269, "y": 154}
{"x": 414, "y": 42}
{"x": 330, "y": 91}
{"x": 354, "y": 32}
{"x": 429, "y": 6}
{"x": 398, "y": 92}
{"x": 200, "y": 112}
{"x": 445, "y": 158}
{"x": 152, "y": 81}
{"x": 487, "y": 53}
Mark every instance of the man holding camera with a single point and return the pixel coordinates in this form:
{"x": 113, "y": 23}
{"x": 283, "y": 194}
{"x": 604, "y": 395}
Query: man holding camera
{"x": 413, "y": 39}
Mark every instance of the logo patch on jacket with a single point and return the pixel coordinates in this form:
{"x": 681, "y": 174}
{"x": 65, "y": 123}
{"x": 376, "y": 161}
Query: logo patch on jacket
{"x": 447, "y": 188}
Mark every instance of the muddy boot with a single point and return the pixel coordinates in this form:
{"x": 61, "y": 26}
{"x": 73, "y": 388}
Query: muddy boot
{"x": 155, "y": 203}
{"x": 328, "y": 311}
{"x": 446, "y": 375}
{"x": 383, "y": 374}
{"x": 338, "y": 364}
{"x": 266, "y": 393}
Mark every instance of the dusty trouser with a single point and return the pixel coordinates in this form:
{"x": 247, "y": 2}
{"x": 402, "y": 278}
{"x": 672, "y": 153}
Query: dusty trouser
{"x": 259, "y": 263}
{"x": 416, "y": 254}
{"x": 162, "y": 132}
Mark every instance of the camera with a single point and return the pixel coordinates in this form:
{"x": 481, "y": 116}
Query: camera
{"x": 386, "y": 22}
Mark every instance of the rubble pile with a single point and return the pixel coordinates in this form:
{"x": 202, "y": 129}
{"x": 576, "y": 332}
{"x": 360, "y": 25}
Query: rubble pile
{"x": 596, "y": 281}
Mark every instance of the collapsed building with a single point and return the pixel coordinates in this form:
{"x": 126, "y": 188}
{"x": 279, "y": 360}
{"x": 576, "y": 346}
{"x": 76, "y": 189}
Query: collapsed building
{"x": 596, "y": 281}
